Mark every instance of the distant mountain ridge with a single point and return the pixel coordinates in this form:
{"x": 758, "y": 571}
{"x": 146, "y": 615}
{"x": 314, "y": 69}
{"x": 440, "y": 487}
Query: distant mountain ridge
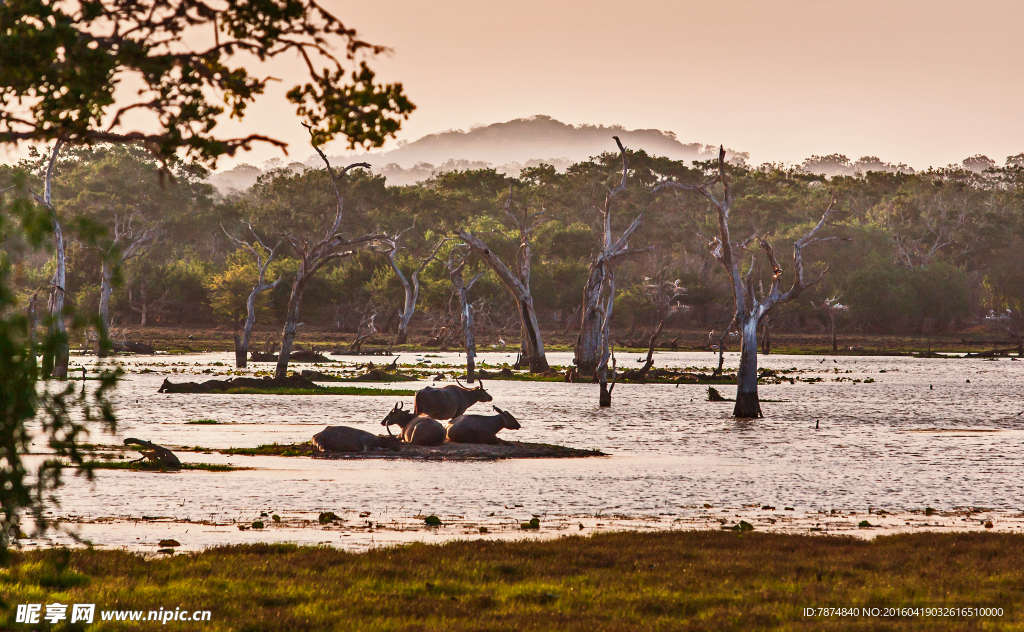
{"x": 507, "y": 147}
{"x": 537, "y": 137}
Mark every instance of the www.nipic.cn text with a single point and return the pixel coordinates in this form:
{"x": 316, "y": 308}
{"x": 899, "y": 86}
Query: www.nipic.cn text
{"x": 86, "y": 613}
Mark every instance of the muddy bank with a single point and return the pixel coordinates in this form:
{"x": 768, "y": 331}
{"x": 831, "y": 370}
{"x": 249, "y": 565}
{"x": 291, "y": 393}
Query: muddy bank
{"x": 365, "y": 527}
{"x": 236, "y": 384}
{"x": 291, "y": 385}
{"x": 294, "y": 356}
{"x": 444, "y": 452}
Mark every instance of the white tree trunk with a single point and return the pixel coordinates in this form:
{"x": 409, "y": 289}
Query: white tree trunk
{"x": 55, "y": 362}
{"x": 290, "y": 322}
{"x": 750, "y": 310}
{"x": 412, "y": 291}
{"x": 468, "y": 334}
{"x": 58, "y": 332}
{"x": 595, "y": 325}
{"x": 589, "y": 341}
{"x": 747, "y": 402}
{"x": 31, "y": 315}
{"x": 533, "y": 343}
{"x": 106, "y": 287}
{"x": 242, "y": 353}
{"x": 410, "y": 284}
{"x": 605, "y": 396}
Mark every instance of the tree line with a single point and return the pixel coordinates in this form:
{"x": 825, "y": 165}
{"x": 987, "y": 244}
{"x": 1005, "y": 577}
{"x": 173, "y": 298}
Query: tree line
{"x": 927, "y": 252}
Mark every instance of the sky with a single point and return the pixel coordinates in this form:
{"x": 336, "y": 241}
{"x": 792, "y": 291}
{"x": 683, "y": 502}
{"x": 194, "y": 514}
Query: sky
{"x": 924, "y": 82}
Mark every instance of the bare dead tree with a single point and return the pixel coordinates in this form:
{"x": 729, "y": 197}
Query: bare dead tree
{"x": 388, "y": 246}
{"x": 311, "y": 258}
{"x": 592, "y": 345}
{"x": 650, "y": 353}
{"x": 144, "y": 307}
{"x": 749, "y": 309}
{"x": 455, "y": 264}
{"x": 257, "y": 249}
{"x": 31, "y": 316}
{"x": 832, "y": 308}
{"x": 128, "y": 243}
{"x": 369, "y": 315}
{"x": 571, "y": 319}
{"x": 518, "y": 283}
{"x": 945, "y": 214}
{"x": 721, "y": 347}
{"x": 442, "y": 324}
{"x": 55, "y": 359}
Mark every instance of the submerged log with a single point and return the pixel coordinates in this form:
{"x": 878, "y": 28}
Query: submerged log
{"x": 131, "y": 346}
{"x": 296, "y": 356}
{"x": 379, "y": 375}
{"x": 224, "y": 386}
{"x": 714, "y": 395}
{"x": 154, "y": 453}
{"x": 489, "y": 375}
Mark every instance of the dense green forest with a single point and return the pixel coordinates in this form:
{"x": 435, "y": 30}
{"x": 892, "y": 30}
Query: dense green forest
{"x": 927, "y": 251}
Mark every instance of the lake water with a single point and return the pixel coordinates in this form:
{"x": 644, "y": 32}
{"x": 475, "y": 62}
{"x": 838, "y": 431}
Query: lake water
{"x": 920, "y": 435}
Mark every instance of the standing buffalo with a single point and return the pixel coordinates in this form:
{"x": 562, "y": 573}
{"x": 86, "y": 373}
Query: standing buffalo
{"x": 481, "y": 428}
{"x": 416, "y": 429}
{"x": 449, "y": 402}
{"x": 346, "y": 439}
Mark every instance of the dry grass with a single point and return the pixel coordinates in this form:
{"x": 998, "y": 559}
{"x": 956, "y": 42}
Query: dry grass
{"x": 625, "y": 581}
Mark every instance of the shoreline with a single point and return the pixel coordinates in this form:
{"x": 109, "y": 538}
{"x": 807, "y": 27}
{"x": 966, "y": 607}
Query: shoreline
{"x": 355, "y": 530}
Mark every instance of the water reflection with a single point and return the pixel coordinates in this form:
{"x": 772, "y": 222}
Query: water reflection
{"x": 895, "y": 443}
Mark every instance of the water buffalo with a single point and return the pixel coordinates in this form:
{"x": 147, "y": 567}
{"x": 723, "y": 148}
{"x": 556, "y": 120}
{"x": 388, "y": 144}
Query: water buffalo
{"x": 346, "y": 439}
{"x": 481, "y": 428}
{"x": 416, "y": 429}
{"x": 449, "y": 402}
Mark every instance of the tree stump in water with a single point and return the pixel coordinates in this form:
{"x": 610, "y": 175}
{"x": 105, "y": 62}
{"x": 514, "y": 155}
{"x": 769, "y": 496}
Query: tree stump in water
{"x": 714, "y": 395}
{"x": 155, "y": 454}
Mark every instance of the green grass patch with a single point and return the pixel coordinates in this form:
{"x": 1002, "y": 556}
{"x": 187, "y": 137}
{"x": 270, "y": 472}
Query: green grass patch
{"x": 698, "y": 580}
{"x": 274, "y": 449}
{"x": 202, "y": 422}
{"x": 146, "y": 466}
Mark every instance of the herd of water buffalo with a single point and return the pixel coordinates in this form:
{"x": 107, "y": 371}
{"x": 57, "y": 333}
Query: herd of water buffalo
{"x": 422, "y": 425}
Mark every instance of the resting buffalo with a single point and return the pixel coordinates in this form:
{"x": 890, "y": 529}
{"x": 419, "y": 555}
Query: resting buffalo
{"x": 481, "y": 428}
{"x": 346, "y": 439}
{"x": 449, "y": 402}
{"x": 416, "y": 429}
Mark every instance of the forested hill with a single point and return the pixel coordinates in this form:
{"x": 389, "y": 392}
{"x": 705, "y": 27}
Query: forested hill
{"x": 506, "y": 147}
{"x": 535, "y": 139}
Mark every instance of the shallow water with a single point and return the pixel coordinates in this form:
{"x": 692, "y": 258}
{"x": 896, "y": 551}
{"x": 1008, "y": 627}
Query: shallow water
{"x": 910, "y": 439}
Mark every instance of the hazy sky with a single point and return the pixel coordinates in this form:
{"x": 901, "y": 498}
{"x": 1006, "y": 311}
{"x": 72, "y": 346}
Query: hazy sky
{"x": 926, "y": 82}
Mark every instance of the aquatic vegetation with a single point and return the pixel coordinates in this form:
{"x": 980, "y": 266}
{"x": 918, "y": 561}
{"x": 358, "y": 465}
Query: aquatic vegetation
{"x": 149, "y": 466}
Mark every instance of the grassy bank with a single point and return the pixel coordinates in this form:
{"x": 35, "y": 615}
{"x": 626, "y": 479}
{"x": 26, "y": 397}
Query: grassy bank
{"x": 626, "y": 581}
{"x": 445, "y": 451}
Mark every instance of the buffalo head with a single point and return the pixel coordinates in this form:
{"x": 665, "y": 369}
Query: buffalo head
{"x": 507, "y": 420}
{"x": 479, "y": 394}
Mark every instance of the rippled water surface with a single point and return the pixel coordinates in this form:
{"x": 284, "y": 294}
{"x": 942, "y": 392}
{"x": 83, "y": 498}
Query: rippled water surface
{"x": 909, "y": 439}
